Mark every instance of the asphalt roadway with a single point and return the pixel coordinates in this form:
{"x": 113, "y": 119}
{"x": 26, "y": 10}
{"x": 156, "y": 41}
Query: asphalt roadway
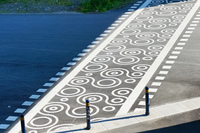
{"x": 34, "y": 47}
{"x": 174, "y": 73}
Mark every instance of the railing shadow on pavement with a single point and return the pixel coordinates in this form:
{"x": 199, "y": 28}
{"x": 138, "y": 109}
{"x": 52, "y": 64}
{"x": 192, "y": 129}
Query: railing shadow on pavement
{"x": 102, "y": 121}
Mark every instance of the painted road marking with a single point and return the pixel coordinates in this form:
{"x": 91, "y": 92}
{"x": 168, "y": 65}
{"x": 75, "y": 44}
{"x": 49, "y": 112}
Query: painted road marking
{"x": 163, "y": 72}
{"x": 41, "y": 90}
{"x": 12, "y": 118}
{"x": 156, "y": 84}
{"x": 159, "y": 78}
{"x": 19, "y": 110}
{"x": 169, "y": 62}
{"x": 138, "y": 89}
{"x": 175, "y": 52}
{"x": 47, "y": 99}
{"x": 27, "y": 103}
{"x": 34, "y": 96}
{"x": 79, "y": 67}
{"x": 4, "y": 126}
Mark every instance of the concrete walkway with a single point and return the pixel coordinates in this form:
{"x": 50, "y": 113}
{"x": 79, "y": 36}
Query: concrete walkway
{"x": 159, "y": 112}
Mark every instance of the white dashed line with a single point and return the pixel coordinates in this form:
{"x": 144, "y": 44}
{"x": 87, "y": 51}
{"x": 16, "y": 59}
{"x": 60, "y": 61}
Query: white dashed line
{"x": 54, "y": 79}
{"x": 181, "y": 44}
{"x": 195, "y": 21}
{"x": 156, "y": 84}
{"x": 193, "y": 25}
{"x": 163, "y": 72}
{"x": 178, "y": 48}
{"x": 27, "y": 103}
{"x": 186, "y": 35}
{"x": 176, "y": 52}
{"x": 173, "y": 57}
{"x": 159, "y": 78}
{"x": 190, "y": 32}
{"x": 150, "y": 96}
{"x": 76, "y": 59}
{"x": 169, "y": 62}
{"x": 140, "y": 86}
{"x": 166, "y": 67}
{"x": 191, "y": 28}
{"x": 184, "y": 40}
{"x": 4, "y": 126}
{"x": 153, "y": 90}
{"x": 141, "y": 103}
{"x": 41, "y": 90}
{"x": 12, "y": 118}
{"x": 34, "y": 96}
{"x": 19, "y": 110}
{"x": 60, "y": 73}
{"x": 82, "y": 54}
{"x": 48, "y": 84}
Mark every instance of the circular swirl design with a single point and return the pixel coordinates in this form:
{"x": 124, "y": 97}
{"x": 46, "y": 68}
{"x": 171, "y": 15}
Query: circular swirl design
{"x": 156, "y": 47}
{"x": 117, "y": 100}
{"x": 132, "y": 26}
{"x": 71, "y": 91}
{"x": 42, "y": 122}
{"x": 101, "y": 59}
{"x": 147, "y": 58}
{"x": 77, "y": 81}
{"x": 167, "y": 13}
{"x": 130, "y": 32}
{"x": 97, "y": 67}
{"x": 169, "y": 8}
{"x": 131, "y": 52}
{"x": 109, "y": 108}
{"x": 130, "y": 81}
{"x": 143, "y": 17}
{"x": 114, "y": 48}
{"x": 159, "y": 20}
{"x": 107, "y": 83}
{"x": 92, "y": 97}
{"x": 128, "y": 60}
{"x": 124, "y": 60}
{"x": 115, "y": 72}
{"x": 143, "y": 42}
{"x": 53, "y": 108}
{"x": 141, "y": 67}
{"x": 156, "y": 26}
{"x": 79, "y": 112}
{"x": 119, "y": 41}
{"x": 122, "y": 92}
{"x": 138, "y": 74}
{"x": 146, "y": 35}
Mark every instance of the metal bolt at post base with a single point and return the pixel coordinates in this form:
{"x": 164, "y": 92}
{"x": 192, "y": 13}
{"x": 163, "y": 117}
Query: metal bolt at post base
{"x": 88, "y": 115}
{"x": 147, "y": 100}
{"x": 22, "y": 123}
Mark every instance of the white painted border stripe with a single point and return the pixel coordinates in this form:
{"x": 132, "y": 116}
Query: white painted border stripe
{"x": 139, "y": 88}
{"x": 77, "y": 69}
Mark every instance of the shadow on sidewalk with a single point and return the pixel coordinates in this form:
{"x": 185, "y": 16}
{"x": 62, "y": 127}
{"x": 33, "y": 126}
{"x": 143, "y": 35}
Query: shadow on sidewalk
{"x": 107, "y": 120}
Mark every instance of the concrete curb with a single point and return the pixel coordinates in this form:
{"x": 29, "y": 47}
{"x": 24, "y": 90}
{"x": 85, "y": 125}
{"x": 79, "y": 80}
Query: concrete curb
{"x": 157, "y": 112}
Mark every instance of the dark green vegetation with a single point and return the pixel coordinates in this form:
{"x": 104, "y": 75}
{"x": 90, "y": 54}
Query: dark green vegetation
{"x": 102, "y": 5}
{"x": 48, "y": 2}
{"x": 48, "y": 6}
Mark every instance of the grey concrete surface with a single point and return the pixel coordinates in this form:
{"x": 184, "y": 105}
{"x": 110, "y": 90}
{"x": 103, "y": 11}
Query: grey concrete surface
{"x": 183, "y": 123}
